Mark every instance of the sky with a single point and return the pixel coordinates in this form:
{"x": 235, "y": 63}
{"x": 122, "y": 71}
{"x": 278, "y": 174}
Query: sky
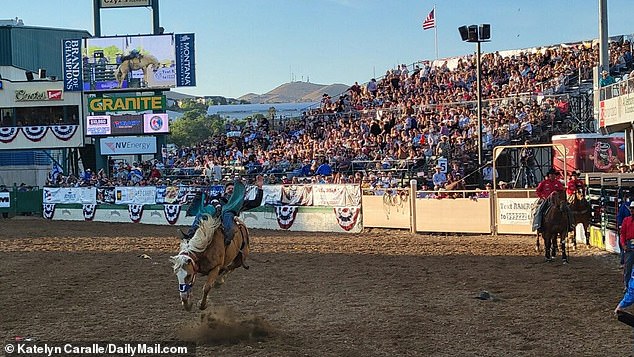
{"x": 253, "y": 46}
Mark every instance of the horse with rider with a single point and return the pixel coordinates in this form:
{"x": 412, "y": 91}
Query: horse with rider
{"x": 217, "y": 243}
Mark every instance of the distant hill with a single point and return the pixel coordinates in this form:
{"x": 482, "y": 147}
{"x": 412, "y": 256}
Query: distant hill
{"x": 296, "y": 92}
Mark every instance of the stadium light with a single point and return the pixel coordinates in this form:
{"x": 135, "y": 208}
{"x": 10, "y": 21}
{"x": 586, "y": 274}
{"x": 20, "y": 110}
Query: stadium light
{"x": 477, "y": 34}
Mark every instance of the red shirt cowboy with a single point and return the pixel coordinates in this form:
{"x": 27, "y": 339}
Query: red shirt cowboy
{"x": 574, "y": 183}
{"x": 549, "y": 185}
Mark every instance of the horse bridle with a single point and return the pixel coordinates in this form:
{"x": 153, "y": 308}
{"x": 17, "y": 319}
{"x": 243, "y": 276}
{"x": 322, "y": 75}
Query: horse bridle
{"x": 183, "y": 288}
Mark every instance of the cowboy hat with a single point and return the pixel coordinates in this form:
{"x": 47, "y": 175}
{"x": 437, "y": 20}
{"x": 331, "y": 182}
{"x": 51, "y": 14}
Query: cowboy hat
{"x": 552, "y": 171}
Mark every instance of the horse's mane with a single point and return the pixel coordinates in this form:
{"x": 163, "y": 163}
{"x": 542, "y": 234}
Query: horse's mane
{"x": 203, "y": 236}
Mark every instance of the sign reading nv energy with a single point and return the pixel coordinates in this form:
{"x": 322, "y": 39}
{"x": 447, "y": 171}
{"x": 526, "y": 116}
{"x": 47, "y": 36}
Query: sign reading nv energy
{"x": 137, "y": 62}
{"x": 126, "y": 104}
{"x": 126, "y": 145}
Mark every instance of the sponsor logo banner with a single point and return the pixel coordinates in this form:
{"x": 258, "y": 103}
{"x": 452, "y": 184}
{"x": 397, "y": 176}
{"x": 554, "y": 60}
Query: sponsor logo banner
{"x": 83, "y": 195}
{"x": 126, "y": 124}
{"x": 135, "y": 195}
{"x": 71, "y": 51}
{"x": 123, "y": 3}
{"x": 22, "y": 95}
{"x": 185, "y": 68}
{"x": 98, "y": 125}
{"x": 155, "y": 123}
{"x": 128, "y": 145}
{"x": 5, "y": 199}
{"x": 117, "y": 104}
{"x": 516, "y": 211}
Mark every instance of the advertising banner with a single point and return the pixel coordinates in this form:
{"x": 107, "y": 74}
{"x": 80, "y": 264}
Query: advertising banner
{"x": 5, "y": 199}
{"x": 126, "y": 145}
{"x": 155, "y": 123}
{"x": 185, "y": 65}
{"x": 126, "y": 124}
{"x": 129, "y": 62}
{"x": 71, "y": 50}
{"x": 98, "y": 125}
{"x": 135, "y": 195}
{"x": 516, "y": 211}
{"x": 69, "y": 195}
{"x": 590, "y": 152}
{"x": 329, "y": 195}
{"x": 126, "y": 104}
{"x": 106, "y": 4}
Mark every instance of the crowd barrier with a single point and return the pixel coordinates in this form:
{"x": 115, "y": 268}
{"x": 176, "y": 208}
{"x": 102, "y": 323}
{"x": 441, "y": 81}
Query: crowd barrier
{"x": 324, "y": 207}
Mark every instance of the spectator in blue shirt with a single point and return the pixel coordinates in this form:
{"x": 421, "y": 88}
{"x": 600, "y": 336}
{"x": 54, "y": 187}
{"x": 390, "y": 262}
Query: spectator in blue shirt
{"x": 439, "y": 178}
{"x": 324, "y": 169}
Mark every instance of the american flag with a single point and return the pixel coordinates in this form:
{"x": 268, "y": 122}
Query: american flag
{"x": 430, "y": 21}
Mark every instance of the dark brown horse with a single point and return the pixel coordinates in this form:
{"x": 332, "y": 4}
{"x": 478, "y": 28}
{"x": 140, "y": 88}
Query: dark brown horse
{"x": 205, "y": 253}
{"x": 581, "y": 212}
{"x": 555, "y": 225}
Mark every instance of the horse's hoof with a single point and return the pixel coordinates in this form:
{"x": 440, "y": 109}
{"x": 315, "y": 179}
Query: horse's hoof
{"x": 188, "y": 306}
{"x": 202, "y": 305}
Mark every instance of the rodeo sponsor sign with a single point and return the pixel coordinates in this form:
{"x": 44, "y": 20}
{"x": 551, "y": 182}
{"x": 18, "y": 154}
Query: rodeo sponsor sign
{"x": 123, "y": 3}
{"x": 128, "y": 145}
{"x": 135, "y": 195}
{"x": 516, "y": 211}
{"x": 72, "y": 65}
{"x": 22, "y": 95}
{"x": 126, "y": 104}
{"x": 5, "y": 199}
{"x": 185, "y": 70}
{"x": 69, "y": 195}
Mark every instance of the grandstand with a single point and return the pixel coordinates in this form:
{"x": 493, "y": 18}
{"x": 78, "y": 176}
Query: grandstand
{"x": 402, "y": 125}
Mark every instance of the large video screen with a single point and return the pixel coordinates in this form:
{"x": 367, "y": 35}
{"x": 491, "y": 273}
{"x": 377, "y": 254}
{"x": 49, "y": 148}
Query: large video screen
{"x": 127, "y": 124}
{"x": 137, "y": 62}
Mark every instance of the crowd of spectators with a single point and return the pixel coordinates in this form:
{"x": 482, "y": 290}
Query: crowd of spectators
{"x": 402, "y": 125}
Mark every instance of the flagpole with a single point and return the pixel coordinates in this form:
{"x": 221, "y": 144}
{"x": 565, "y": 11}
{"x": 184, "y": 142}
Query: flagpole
{"x": 436, "y": 30}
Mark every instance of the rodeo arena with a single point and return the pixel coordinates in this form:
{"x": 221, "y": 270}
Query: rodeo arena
{"x": 475, "y": 205}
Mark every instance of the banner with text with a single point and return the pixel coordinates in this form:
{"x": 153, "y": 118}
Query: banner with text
{"x": 71, "y": 50}
{"x": 86, "y": 195}
{"x": 125, "y": 145}
{"x": 185, "y": 68}
{"x": 516, "y": 211}
{"x": 135, "y": 195}
{"x": 5, "y": 199}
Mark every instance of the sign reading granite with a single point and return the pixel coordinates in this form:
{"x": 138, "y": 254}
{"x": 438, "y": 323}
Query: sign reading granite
{"x": 117, "y": 104}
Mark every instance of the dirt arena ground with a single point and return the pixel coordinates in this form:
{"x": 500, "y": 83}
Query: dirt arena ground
{"x": 381, "y": 293}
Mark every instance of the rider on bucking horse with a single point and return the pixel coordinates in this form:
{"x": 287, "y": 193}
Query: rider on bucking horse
{"x": 226, "y": 206}
{"x": 545, "y": 188}
{"x": 134, "y": 53}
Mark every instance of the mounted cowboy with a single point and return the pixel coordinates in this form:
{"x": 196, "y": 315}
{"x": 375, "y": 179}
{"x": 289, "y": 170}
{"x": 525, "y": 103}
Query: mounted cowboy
{"x": 574, "y": 184}
{"x": 545, "y": 188}
{"x": 228, "y": 206}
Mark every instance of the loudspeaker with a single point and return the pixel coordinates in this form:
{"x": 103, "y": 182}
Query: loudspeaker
{"x": 472, "y": 33}
{"x": 463, "y": 32}
{"x": 485, "y": 31}
{"x": 29, "y": 75}
{"x": 42, "y": 73}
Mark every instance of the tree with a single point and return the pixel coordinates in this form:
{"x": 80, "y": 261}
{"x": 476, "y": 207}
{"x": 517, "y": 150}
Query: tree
{"x": 194, "y": 127}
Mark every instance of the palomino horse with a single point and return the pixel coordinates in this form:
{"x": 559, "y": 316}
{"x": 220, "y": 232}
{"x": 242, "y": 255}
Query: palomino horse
{"x": 205, "y": 253}
{"x": 581, "y": 211}
{"x": 133, "y": 64}
{"x": 555, "y": 225}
